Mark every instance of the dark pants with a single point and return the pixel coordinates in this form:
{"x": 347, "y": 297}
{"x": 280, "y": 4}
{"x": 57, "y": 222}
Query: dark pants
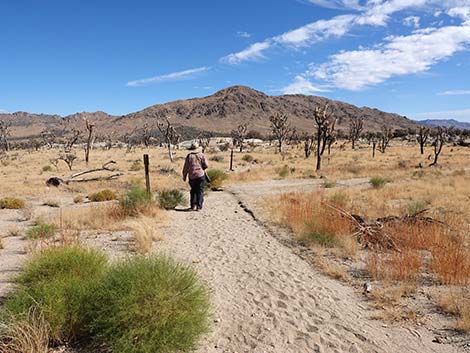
{"x": 197, "y": 191}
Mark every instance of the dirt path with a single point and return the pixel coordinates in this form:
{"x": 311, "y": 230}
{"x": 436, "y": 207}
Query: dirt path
{"x": 267, "y": 299}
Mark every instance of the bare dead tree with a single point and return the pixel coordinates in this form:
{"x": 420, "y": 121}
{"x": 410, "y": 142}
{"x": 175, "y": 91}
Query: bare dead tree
{"x": 423, "y": 136}
{"x": 71, "y": 137}
{"x": 55, "y": 162}
{"x": 280, "y": 129}
{"x": 170, "y": 135}
{"x": 49, "y": 138}
{"x": 90, "y": 128}
{"x": 68, "y": 158}
{"x": 325, "y": 126}
{"x": 439, "y": 135}
{"x": 147, "y": 134}
{"x": 384, "y": 138}
{"x": 356, "y": 125}
{"x": 239, "y": 135}
{"x": 5, "y": 133}
{"x": 129, "y": 139}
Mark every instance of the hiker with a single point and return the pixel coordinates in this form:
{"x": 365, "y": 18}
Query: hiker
{"x": 194, "y": 168}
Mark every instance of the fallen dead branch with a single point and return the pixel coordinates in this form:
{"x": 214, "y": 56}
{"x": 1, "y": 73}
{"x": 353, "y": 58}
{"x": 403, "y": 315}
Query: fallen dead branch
{"x": 55, "y": 181}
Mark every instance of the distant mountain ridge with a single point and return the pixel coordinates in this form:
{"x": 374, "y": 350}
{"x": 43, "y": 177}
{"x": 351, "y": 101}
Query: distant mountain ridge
{"x": 445, "y": 123}
{"x": 218, "y": 113}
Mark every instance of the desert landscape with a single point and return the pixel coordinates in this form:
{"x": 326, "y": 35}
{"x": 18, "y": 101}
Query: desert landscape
{"x": 368, "y": 253}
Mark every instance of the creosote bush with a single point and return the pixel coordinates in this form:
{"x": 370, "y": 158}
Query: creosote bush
{"x": 11, "y": 203}
{"x": 58, "y": 281}
{"x": 284, "y": 171}
{"x": 248, "y": 158}
{"x": 142, "y": 304}
{"x": 103, "y": 195}
{"x": 136, "y": 201}
{"x": 169, "y": 199}
{"x": 217, "y": 178}
{"x": 167, "y": 313}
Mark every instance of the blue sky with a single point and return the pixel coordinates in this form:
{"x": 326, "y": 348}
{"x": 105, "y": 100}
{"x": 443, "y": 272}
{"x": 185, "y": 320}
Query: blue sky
{"x": 406, "y": 56}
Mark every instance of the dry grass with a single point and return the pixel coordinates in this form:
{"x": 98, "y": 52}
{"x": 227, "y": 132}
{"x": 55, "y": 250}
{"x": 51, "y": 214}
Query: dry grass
{"x": 29, "y": 334}
{"x": 456, "y": 301}
{"x": 394, "y": 266}
{"x": 145, "y": 233}
{"x": 451, "y": 261}
{"x": 332, "y": 270}
{"x": 95, "y": 217}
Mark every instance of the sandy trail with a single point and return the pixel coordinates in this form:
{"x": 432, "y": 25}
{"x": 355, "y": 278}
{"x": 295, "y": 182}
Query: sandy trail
{"x": 267, "y": 299}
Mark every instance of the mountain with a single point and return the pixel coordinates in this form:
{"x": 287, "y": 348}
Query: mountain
{"x": 219, "y": 113}
{"x": 446, "y": 123}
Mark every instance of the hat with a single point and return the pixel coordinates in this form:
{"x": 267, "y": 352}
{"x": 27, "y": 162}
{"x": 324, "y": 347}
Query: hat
{"x": 195, "y": 147}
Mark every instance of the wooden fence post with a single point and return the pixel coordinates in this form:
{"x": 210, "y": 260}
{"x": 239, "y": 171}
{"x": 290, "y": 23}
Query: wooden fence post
{"x": 231, "y": 160}
{"x": 147, "y": 176}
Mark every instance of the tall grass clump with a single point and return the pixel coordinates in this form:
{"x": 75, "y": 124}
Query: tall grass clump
{"x": 41, "y": 230}
{"x": 169, "y": 199}
{"x": 58, "y": 282}
{"x": 217, "y": 177}
{"x": 377, "y": 182}
{"x": 150, "y": 304}
{"x": 11, "y": 203}
{"x": 136, "y": 201}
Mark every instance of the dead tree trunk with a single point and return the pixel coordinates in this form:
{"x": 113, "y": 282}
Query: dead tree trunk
{"x": 89, "y": 127}
{"x": 422, "y": 137}
{"x": 170, "y": 135}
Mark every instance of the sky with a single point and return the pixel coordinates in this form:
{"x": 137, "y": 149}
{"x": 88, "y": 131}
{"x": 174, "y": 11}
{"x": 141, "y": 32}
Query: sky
{"x": 411, "y": 57}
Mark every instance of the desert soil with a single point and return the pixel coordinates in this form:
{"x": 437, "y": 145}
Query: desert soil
{"x": 265, "y": 298}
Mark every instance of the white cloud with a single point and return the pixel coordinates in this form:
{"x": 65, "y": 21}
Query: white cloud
{"x": 462, "y": 115}
{"x": 243, "y": 34}
{"x": 253, "y": 52}
{"x": 454, "y": 93}
{"x": 174, "y": 76}
{"x": 302, "y": 86}
{"x": 412, "y": 21}
{"x": 337, "y": 4}
{"x": 401, "y": 55}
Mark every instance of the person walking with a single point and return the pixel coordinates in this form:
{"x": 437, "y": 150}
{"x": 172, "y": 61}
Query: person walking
{"x": 194, "y": 170}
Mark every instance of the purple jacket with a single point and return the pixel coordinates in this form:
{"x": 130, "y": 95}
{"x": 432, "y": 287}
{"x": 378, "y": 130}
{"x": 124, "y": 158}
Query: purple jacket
{"x": 194, "y": 166}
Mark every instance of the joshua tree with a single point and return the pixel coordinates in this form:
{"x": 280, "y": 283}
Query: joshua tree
{"x": 68, "y": 158}
{"x": 384, "y": 138}
{"x": 439, "y": 137}
{"x": 129, "y": 139}
{"x": 239, "y": 135}
{"x": 325, "y": 126}
{"x": 356, "y": 125}
{"x": 5, "y": 134}
{"x": 423, "y": 136}
{"x": 90, "y": 127}
{"x": 48, "y": 137}
{"x": 204, "y": 141}
{"x": 280, "y": 129}
{"x": 71, "y": 137}
{"x": 170, "y": 135}
{"x": 309, "y": 144}
{"x": 147, "y": 134}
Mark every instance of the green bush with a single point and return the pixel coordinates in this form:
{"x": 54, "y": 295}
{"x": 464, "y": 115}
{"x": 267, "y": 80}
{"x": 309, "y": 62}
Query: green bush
{"x": 377, "y": 182}
{"x": 103, "y": 195}
{"x": 284, "y": 171}
{"x": 11, "y": 203}
{"x": 169, "y": 199}
{"x": 217, "y": 178}
{"x": 217, "y": 158}
{"x": 150, "y": 304}
{"x": 136, "y": 201}
{"x": 248, "y": 158}
{"x": 47, "y": 168}
{"x": 416, "y": 207}
{"x": 41, "y": 230}
{"x": 319, "y": 238}
{"x": 58, "y": 281}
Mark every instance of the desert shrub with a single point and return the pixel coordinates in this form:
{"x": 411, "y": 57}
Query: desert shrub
{"x": 169, "y": 199}
{"x": 377, "y": 182}
{"x": 354, "y": 169}
{"x": 47, "y": 168}
{"x": 51, "y": 203}
{"x": 402, "y": 164}
{"x": 457, "y": 302}
{"x": 41, "y": 230}
{"x": 217, "y": 158}
{"x": 328, "y": 184}
{"x": 144, "y": 231}
{"x": 11, "y": 203}
{"x": 136, "y": 201}
{"x": 167, "y": 170}
{"x": 58, "y": 281}
{"x": 451, "y": 262}
{"x": 248, "y": 158}
{"x": 396, "y": 266}
{"x": 150, "y": 304}
{"x": 339, "y": 199}
{"x": 217, "y": 178}
{"x": 136, "y": 166}
{"x": 416, "y": 207}
{"x": 78, "y": 199}
{"x": 224, "y": 147}
{"x": 318, "y": 237}
{"x": 284, "y": 171}
{"x": 103, "y": 195}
